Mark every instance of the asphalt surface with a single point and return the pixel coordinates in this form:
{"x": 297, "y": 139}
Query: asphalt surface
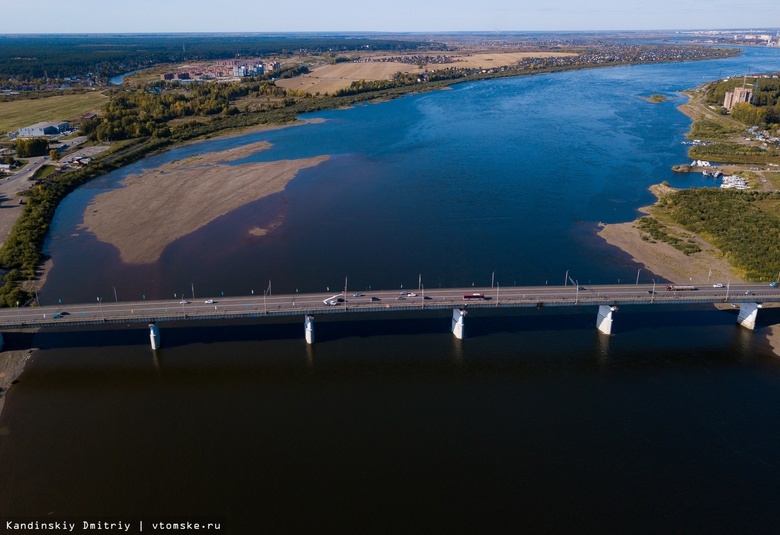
{"x": 102, "y": 311}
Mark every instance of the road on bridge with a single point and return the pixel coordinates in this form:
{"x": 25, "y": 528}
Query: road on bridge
{"x": 314, "y": 303}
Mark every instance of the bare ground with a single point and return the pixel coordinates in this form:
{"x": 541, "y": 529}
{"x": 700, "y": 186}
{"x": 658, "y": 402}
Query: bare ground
{"x": 330, "y": 78}
{"x": 708, "y": 265}
{"x": 161, "y": 205}
{"x": 11, "y": 367}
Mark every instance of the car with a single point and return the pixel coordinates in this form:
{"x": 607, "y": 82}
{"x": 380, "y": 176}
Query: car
{"x": 184, "y": 302}
{"x": 651, "y": 292}
{"x": 209, "y": 301}
{"x": 400, "y": 298}
{"x": 375, "y": 299}
{"x": 773, "y": 284}
{"x": 718, "y": 285}
{"x": 748, "y": 292}
{"x": 357, "y": 294}
{"x": 56, "y": 316}
{"x": 404, "y": 293}
{"x": 63, "y": 313}
{"x": 411, "y": 294}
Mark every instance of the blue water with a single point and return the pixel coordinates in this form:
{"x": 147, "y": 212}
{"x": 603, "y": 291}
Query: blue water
{"x": 507, "y": 176}
{"x": 535, "y": 423}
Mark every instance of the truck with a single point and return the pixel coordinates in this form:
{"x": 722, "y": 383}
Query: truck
{"x": 334, "y": 300}
{"x": 473, "y": 296}
{"x": 680, "y": 288}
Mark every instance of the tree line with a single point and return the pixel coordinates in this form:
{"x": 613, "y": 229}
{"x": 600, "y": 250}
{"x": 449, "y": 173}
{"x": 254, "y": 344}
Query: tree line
{"x": 26, "y": 59}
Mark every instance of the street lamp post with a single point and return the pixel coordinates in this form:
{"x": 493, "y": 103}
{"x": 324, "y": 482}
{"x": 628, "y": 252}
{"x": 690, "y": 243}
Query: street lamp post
{"x": 728, "y": 286}
{"x": 566, "y": 278}
{"x": 116, "y": 299}
{"x": 637, "y": 276}
{"x": 100, "y": 302}
{"x": 652, "y": 297}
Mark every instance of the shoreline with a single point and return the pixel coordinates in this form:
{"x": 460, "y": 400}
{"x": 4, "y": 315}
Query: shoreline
{"x": 12, "y": 365}
{"x": 158, "y": 206}
{"x": 707, "y": 266}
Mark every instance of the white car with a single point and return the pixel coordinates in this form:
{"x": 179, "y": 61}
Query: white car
{"x": 718, "y": 285}
{"x": 412, "y": 294}
{"x": 209, "y": 301}
{"x": 184, "y": 302}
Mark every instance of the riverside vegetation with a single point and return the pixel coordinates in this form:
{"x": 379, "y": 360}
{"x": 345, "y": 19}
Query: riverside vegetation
{"x": 744, "y": 225}
{"x": 160, "y": 115}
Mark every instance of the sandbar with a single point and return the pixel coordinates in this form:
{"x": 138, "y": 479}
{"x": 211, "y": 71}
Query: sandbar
{"x": 161, "y": 205}
{"x": 708, "y": 265}
{"x": 11, "y": 367}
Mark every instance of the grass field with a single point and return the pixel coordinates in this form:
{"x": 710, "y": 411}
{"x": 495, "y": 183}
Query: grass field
{"x": 330, "y": 78}
{"x": 25, "y": 112}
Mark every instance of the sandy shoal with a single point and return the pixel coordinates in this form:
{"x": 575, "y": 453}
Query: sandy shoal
{"x": 671, "y": 264}
{"x": 159, "y": 206}
{"x": 11, "y": 367}
{"x": 666, "y": 261}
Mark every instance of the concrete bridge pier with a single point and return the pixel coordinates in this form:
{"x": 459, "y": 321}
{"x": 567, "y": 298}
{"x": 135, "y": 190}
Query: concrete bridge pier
{"x": 604, "y": 318}
{"x": 308, "y": 325}
{"x": 459, "y": 323}
{"x": 748, "y": 312}
{"x": 154, "y": 336}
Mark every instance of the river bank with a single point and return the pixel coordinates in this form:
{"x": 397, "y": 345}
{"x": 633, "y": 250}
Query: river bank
{"x": 11, "y": 367}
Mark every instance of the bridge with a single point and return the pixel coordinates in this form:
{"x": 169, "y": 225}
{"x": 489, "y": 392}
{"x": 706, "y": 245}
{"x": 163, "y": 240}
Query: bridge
{"x": 749, "y": 298}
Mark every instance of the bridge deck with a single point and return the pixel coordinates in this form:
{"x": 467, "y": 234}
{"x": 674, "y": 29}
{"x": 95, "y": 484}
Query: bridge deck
{"x": 371, "y": 302}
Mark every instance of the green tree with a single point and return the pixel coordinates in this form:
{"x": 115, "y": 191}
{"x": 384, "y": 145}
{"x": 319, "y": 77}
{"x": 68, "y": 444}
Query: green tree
{"x": 27, "y": 147}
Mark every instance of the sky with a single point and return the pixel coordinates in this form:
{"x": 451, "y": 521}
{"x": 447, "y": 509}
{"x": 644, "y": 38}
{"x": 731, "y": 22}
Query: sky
{"x": 262, "y": 16}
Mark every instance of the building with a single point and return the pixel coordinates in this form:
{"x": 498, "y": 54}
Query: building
{"x": 740, "y": 94}
{"x": 48, "y": 128}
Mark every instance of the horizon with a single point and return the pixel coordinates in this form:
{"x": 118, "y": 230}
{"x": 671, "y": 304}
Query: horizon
{"x": 750, "y": 29}
{"x": 404, "y": 16}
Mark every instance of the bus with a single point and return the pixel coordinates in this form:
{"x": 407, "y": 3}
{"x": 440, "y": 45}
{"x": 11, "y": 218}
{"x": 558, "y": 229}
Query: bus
{"x": 473, "y": 296}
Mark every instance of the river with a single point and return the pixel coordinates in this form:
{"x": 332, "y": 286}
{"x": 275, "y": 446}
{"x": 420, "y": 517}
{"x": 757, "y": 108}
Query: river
{"x": 535, "y": 422}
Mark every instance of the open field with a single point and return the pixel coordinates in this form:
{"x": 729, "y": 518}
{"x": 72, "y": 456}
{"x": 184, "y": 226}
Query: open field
{"x": 25, "y": 112}
{"x": 486, "y": 61}
{"x": 329, "y": 78}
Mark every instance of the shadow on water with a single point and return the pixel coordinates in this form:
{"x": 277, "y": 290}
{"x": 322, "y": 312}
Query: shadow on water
{"x": 479, "y": 323}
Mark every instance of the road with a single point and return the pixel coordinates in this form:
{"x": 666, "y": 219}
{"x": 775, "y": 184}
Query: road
{"x": 205, "y": 307}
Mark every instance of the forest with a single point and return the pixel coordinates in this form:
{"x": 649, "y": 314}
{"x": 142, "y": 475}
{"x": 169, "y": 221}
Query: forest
{"x": 28, "y": 58}
{"x": 743, "y": 225}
